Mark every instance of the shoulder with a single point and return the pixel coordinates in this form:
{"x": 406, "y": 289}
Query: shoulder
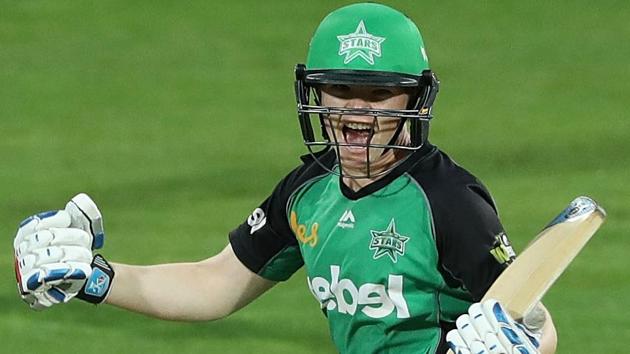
{"x": 466, "y": 224}
{"x": 273, "y": 252}
{"x": 448, "y": 185}
{"x": 311, "y": 169}
{"x": 312, "y": 166}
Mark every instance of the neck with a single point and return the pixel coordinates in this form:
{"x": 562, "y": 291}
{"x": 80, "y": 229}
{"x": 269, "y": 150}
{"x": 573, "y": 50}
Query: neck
{"x": 377, "y": 169}
{"x": 357, "y": 183}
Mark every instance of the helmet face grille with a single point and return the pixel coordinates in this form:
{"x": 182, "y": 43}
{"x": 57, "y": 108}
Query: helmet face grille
{"x": 317, "y": 123}
{"x": 365, "y": 44}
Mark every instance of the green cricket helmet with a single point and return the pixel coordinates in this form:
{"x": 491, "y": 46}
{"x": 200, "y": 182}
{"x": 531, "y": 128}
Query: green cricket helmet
{"x": 366, "y": 44}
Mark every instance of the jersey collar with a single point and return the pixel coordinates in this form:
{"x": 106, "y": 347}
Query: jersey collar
{"x": 417, "y": 156}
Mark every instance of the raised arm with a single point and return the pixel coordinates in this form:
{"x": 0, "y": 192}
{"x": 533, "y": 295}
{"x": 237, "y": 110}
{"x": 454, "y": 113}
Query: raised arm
{"x": 205, "y": 290}
{"x": 54, "y": 264}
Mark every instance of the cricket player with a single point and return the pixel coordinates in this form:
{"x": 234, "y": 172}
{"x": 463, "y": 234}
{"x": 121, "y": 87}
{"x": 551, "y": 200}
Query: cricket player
{"x": 398, "y": 241}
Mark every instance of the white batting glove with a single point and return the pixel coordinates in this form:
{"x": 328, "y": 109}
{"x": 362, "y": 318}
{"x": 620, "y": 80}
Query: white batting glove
{"x": 53, "y": 252}
{"x": 488, "y": 329}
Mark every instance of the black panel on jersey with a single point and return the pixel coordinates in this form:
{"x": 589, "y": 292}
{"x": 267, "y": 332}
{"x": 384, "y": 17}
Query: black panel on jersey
{"x": 257, "y": 249}
{"x": 445, "y": 327}
{"x": 464, "y": 216}
{"x": 465, "y": 221}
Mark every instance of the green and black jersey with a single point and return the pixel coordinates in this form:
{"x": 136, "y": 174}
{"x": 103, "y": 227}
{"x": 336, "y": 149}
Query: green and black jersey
{"x": 393, "y": 264}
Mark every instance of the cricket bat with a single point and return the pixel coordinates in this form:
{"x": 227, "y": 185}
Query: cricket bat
{"x": 521, "y": 286}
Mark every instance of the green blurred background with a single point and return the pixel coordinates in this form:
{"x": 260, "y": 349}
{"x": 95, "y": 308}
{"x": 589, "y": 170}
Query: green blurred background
{"x": 178, "y": 118}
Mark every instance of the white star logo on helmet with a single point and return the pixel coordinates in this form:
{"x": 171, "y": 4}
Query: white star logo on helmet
{"x": 360, "y": 44}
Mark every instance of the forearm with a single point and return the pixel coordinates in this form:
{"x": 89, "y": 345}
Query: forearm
{"x": 166, "y": 291}
{"x": 205, "y": 290}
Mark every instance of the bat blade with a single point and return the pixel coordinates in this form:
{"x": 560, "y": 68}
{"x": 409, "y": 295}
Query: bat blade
{"x": 521, "y": 286}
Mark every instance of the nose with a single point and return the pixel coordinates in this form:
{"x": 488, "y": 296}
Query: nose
{"x": 358, "y": 102}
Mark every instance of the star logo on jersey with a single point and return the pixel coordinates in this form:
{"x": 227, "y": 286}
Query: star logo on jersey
{"x": 360, "y": 44}
{"x": 388, "y": 242}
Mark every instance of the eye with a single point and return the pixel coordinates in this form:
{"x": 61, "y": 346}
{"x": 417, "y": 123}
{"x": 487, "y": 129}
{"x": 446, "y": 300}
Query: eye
{"x": 338, "y": 90}
{"x": 383, "y": 93}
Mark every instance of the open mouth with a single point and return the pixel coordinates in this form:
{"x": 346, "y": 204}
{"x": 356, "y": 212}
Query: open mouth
{"x": 358, "y": 135}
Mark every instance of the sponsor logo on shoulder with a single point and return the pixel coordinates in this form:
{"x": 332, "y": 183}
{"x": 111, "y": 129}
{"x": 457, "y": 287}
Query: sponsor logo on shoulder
{"x": 346, "y": 220}
{"x": 360, "y": 44}
{"x": 388, "y": 242}
{"x": 502, "y": 249}
{"x": 256, "y": 220}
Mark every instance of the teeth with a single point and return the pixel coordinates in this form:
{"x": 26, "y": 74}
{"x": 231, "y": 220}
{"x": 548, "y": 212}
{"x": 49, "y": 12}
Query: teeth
{"x": 359, "y": 126}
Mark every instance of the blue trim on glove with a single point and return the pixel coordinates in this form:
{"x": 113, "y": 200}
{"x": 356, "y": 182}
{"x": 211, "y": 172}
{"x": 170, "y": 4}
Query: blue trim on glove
{"x": 97, "y": 286}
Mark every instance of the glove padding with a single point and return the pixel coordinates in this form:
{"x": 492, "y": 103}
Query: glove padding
{"x": 53, "y": 252}
{"x": 488, "y": 329}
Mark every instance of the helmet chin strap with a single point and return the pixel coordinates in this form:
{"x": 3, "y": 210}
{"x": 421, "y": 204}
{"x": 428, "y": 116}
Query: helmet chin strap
{"x": 395, "y": 137}
{"x": 317, "y": 98}
{"x": 414, "y": 101}
{"x": 370, "y": 170}
{"x": 378, "y": 163}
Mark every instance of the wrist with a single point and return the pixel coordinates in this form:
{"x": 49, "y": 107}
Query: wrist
{"x": 98, "y": 285}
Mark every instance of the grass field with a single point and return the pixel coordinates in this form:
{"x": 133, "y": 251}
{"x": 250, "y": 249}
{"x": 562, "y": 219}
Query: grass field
{"x": 178, "y": 118}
